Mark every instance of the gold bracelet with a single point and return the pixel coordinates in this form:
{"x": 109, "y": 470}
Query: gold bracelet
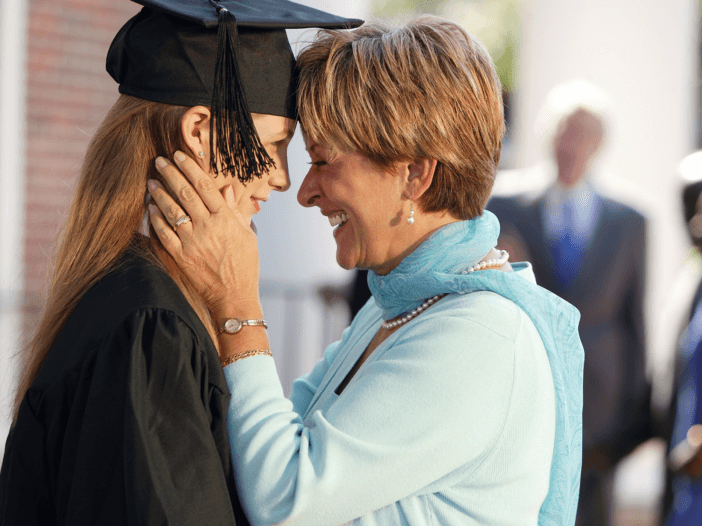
{"x": 245, "y": 354}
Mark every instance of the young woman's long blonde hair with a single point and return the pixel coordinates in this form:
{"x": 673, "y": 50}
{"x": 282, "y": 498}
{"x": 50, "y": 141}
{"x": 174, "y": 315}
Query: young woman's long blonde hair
{"x": 106, "y": 217}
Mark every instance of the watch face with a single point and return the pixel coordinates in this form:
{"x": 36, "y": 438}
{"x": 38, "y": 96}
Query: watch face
{"x": 232, "y": 325}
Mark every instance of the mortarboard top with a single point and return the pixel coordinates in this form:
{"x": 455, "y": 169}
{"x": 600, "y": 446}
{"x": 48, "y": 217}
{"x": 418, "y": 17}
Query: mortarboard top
{"x": 262, "y": 14}
{"x": 231, "y": 55}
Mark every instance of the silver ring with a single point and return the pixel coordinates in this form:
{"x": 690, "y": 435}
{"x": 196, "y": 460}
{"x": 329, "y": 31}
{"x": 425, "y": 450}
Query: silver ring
{"x": 181, "y": 220}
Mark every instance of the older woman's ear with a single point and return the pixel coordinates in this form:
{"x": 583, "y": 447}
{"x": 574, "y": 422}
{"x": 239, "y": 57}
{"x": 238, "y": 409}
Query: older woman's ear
{"x": 419, "y": 176}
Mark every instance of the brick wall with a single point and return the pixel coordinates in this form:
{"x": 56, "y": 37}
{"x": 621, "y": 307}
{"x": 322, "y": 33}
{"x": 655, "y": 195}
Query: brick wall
{"x": 68, "y": 93}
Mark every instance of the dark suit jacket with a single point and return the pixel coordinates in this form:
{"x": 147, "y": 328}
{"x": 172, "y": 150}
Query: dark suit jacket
{"x": 608, "y": 291}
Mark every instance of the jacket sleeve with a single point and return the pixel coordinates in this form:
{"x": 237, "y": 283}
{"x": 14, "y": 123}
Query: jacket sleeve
{"x": 173, "y": 470}
{"x": 637, "y": 420}
{"x": 144, "y": 452}
{"x": 394, "y": 430}
{"x": 121, "y": 439}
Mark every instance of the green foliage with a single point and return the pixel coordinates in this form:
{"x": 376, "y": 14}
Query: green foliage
{"x": 494, "y": 22}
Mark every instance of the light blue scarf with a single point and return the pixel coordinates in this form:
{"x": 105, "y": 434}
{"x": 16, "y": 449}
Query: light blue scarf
{"x": 435, "y": 267}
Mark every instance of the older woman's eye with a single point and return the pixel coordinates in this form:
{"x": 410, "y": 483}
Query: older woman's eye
{"x": 317, "y": 163}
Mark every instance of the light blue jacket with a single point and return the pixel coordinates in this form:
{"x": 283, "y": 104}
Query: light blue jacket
{"x": 451, "y": 421}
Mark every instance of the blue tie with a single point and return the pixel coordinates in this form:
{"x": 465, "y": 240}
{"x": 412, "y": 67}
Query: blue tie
{"x": 568, "y": 250}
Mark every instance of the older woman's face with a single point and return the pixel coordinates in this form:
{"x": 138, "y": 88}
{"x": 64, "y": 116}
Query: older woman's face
{"x": 363, "y": 203}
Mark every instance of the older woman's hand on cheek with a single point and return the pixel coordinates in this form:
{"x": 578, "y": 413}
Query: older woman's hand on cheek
{"x": 216, "y": 249}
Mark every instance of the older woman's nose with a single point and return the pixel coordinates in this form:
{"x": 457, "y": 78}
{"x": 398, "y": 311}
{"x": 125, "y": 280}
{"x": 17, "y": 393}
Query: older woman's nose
{"x": 309, "y": 190}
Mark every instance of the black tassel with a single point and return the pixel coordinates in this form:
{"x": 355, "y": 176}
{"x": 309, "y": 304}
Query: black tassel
{"x": 239, "y": 150}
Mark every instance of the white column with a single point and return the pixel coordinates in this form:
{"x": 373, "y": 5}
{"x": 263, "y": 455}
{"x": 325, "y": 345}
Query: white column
{"x": 644, "y": 54}
{"x": 12, "y": 180}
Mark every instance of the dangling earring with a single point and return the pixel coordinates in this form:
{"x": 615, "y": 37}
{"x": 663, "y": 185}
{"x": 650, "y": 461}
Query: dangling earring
{"x": 410, "y": 219}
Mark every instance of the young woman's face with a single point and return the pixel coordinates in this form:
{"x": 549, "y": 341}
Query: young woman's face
{"x": 275, "y": 133}
{"x": 363, "y": 203}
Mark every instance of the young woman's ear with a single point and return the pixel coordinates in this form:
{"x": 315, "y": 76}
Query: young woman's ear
{"x": 195, "y": 127}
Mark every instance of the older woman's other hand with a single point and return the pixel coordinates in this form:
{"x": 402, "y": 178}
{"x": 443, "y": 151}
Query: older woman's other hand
{"x": 216, "y": 249}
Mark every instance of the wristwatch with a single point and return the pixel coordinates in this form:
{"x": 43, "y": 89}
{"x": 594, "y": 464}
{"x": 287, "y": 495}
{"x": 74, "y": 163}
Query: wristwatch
{"x": 234, "y": 325}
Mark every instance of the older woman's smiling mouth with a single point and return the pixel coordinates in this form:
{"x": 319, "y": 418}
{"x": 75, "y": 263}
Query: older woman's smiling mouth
{"x": 338, "y": 218}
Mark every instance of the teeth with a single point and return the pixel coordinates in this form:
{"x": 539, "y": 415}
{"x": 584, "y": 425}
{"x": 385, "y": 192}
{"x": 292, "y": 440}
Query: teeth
{"x": 338, "y": 219}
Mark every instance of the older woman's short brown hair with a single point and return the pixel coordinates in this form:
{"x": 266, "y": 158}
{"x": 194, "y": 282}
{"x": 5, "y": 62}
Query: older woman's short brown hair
{"x": 423, "y": 90}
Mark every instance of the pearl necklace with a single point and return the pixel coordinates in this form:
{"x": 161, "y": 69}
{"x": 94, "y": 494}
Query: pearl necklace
{"x": 488, "y": 263}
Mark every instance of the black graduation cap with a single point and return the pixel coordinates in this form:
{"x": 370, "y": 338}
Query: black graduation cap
{"x": 231, "y": 55}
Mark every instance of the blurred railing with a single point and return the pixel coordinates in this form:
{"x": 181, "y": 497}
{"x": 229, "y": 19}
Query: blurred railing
{"x": 300, "y": 326}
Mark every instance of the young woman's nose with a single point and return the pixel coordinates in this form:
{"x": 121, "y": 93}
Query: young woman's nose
{"x": 279, "y": 177}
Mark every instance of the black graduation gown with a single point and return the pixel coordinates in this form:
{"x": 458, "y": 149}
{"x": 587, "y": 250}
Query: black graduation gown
{"x": 126, "y": 421}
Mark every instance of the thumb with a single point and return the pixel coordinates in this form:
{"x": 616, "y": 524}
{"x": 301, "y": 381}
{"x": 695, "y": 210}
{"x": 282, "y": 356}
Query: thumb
{"x": 229, "y": 197}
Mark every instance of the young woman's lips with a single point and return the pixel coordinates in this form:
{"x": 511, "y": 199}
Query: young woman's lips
{"x": 257, "y": 207}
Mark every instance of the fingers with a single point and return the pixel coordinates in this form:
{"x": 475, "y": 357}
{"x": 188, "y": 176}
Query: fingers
{"x": 230, "y": 199}
{"x": 188, "y": 197}
{"x": 202, "y": 182}
{"x": 172, "y": 213}
{"x": 165, "y": 232}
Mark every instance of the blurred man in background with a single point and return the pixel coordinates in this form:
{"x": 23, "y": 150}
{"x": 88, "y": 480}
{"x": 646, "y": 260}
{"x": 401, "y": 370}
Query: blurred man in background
{"x": 591, "y": 251}
{"x": 683, "y": 498}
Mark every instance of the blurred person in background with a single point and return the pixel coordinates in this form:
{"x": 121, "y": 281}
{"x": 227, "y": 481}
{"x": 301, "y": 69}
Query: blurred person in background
{"x": 455, "y": 395}
{"x": 591, "y": 251}
{"x": 354, "y": 294}
{"x": 684, "y": 491}
{"x": 120, "y": 413}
